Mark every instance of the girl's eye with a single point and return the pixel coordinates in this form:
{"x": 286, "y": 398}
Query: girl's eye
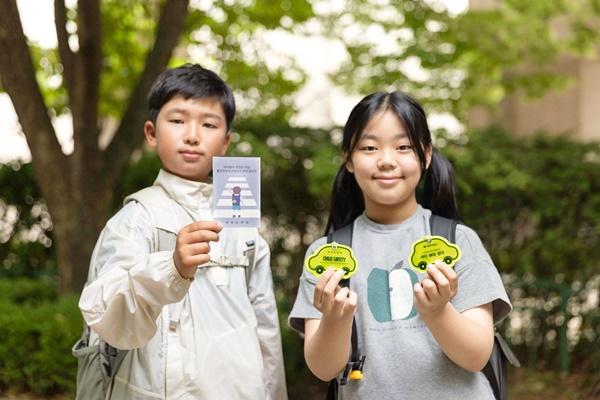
{"x": 368, "y": 148}
{"x": 404, "y": 147}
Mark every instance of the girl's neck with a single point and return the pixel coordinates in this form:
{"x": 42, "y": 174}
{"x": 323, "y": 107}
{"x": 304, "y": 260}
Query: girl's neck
{"x": 390, "y": 215}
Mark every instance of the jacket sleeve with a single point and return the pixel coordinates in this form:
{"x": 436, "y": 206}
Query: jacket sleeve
{"x": 128, "y": 284}
{"x": 262, "y": 297}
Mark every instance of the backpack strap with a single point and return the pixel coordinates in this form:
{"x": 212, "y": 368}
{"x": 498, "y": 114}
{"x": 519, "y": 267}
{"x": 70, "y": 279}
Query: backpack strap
{"x": 444, "y": 227}
{"x": 495, "y": 369}
{"x": 356, "y": 362}
{"x": 250, "y": 253}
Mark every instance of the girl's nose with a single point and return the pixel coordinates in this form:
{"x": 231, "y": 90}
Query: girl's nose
{"x": 386, "y": 160}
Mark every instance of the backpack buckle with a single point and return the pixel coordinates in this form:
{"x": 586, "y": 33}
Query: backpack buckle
{"x": 353, "y": 371}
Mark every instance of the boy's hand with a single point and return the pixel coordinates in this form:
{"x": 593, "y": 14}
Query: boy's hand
{"x": 434, "y": 292}
{"x": 192, "y": 246}
{"x": 333, "y": 301}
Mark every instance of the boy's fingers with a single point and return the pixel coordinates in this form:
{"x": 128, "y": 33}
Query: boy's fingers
{"x": 197, "y": 248}
{"x": 200, "y": 236}
{"x": 198, "y": 260}
{"x": 213, "y": 226}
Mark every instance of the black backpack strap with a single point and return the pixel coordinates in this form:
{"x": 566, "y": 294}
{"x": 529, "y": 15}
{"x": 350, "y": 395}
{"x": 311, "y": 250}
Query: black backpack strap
{"x": 444, "y": 227}
{"x": 495, "y": 369}
{"x": 344, "y": 236}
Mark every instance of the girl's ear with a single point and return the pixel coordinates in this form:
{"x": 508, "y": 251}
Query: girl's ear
{"x": 428, "y": 153}
{"x": 150, "y": 133}
{"x": 348, "y": 163}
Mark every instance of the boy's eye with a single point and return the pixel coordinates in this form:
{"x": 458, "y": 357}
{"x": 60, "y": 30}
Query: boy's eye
{"x": 209, "y": 125}
{"x": 176, "y": 121}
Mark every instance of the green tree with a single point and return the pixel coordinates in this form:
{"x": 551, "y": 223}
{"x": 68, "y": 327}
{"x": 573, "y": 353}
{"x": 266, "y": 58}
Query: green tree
{"x": 453, "y": 62}
{"x": 108, "y": 55}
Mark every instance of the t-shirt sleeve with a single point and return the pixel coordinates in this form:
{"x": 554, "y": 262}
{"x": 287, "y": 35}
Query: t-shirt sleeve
{"x": 303, "y": 306}
{"x": 479, "y": 282}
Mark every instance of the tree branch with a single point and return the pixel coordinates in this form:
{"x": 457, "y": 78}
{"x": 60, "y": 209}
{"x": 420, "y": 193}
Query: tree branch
{"x": 18, "y": 79}
{"x": 88, "y": 65}
{"x": 66, "y": 55}
{"x": 128, "y": 135}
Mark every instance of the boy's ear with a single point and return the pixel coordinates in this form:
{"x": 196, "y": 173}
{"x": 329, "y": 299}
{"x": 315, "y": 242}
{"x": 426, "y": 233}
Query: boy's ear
{"x": 150, "y": 133}
{"x": 226, "y": 143}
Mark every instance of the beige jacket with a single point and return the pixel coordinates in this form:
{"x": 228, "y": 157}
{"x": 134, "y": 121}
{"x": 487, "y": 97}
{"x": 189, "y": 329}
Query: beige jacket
{"x": 215, "y": 338}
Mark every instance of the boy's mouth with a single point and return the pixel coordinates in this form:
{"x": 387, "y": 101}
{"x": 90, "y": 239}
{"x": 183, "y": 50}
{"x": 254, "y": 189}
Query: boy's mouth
{"x": 191, "y": 155}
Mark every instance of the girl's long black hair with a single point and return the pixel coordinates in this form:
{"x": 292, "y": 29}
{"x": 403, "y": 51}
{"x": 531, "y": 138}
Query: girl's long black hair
{"x": 439, "y": 193}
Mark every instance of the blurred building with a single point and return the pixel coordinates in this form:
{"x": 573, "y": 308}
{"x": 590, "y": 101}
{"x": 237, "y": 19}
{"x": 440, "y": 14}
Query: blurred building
{"x": 574, "y": 110}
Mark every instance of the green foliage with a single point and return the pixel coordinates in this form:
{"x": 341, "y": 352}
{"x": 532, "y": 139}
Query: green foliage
{"x": 128, "y": 28}
{"x": 27, "y": 292}
{"x": 534, "y": 201}
{"x": 453, "y": 62}
{"x": 25, "y": 225}
{"x": 35, "y": 355}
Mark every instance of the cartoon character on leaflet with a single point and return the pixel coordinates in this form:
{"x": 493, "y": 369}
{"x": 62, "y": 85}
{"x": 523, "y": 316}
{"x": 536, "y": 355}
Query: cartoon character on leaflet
{"x": 236, "y": 201}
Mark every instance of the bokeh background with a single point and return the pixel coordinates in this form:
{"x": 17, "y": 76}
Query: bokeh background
{"x": 511, "y": 88}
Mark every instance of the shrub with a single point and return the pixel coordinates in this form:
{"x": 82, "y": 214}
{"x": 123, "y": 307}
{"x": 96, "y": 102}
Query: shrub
{"x": 37, "y": 337}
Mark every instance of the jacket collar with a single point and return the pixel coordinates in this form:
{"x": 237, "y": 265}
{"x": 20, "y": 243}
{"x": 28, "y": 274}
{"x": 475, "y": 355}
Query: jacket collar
{"x": 195, "y": 197}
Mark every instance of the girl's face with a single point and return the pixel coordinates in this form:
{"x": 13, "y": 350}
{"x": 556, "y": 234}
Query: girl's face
{"x": 386, "y": 166}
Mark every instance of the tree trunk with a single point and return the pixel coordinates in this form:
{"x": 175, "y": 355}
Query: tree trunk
{"x": 78, "y": 188}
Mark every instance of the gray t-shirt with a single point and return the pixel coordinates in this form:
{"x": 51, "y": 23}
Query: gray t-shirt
{"x": 403, "y": 360}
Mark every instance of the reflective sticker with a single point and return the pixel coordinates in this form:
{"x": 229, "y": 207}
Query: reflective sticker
{"x": 429, "y": 249}
{"x": 332, "y": 255}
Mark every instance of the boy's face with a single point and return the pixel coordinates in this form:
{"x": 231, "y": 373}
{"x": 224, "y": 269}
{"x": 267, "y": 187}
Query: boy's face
{"x": 187, "y": 134}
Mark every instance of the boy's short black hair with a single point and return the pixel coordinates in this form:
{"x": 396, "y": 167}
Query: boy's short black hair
{"x": 190, "y": 81}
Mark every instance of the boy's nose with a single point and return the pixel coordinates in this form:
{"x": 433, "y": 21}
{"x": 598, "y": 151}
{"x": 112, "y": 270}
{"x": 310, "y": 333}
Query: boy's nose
{"x": 192, "y": 137}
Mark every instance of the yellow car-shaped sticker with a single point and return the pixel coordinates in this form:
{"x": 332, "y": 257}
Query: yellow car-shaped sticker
{"x": 332, "y": 255}
{"x": 429, "y": 249}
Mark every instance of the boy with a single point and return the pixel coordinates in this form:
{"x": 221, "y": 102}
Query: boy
{"x": 192, "y": 302}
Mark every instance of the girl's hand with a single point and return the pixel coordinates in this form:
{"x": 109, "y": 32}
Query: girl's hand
{"x": 433, "y": 293}
{"x": 333, "y": 301}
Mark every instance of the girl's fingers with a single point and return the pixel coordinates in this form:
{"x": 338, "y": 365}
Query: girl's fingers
{"x": 327, "y": 287}
{"x": 430, "y": 289}
{"x": 440, "y": 280}
{"x": 341, "y": 294}
{"x": 420, "y": 296}
{"x": 340, "y": 300}
{"x": 331, "y": 287}
{"x": 450, "y": 275}
{"x": 352, "y": 300}
{"x": 318, "y": 296}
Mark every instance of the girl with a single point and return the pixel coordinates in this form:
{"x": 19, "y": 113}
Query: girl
{"x": 443, "y": 334}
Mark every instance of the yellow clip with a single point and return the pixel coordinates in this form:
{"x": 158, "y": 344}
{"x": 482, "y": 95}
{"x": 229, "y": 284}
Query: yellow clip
{"x": 355, "y": 375}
